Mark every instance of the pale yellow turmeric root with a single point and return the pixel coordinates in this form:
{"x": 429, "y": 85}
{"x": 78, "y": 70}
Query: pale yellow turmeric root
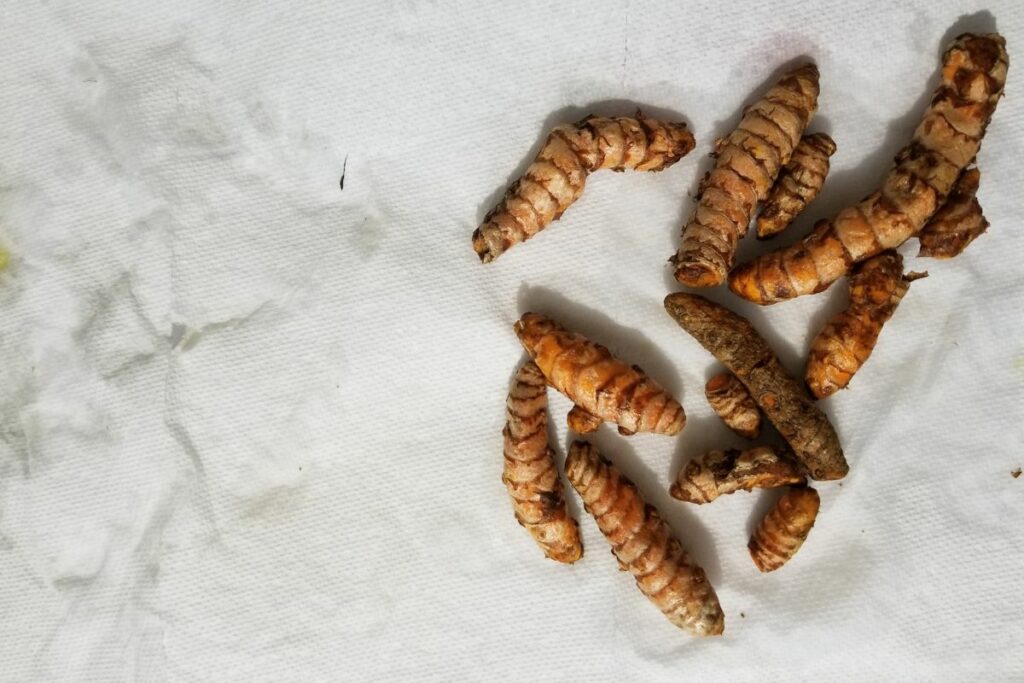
{"x": 732, "y": 402}
{"x": 720, "y": 473}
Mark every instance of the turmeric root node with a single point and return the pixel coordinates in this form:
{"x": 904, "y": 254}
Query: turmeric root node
{"x": 582, "y": 422}
{"x": 530, "y": 474}
{"x": 798, "y": 184}
{"x": 732, "y": 402}
{"x": 720, "y": 473}
{"x": 556, "y": 177}
{"x": 945, "y": 142}
{"x": 957, "y": 223}
{"x": 876, "y": 288}
{"x": 783, "y": 530}
{"x": 596, "y": 381}
{"x": 643, "y": 544}
{"x": 747, "y": 163}
{"x": 738, "y": 346}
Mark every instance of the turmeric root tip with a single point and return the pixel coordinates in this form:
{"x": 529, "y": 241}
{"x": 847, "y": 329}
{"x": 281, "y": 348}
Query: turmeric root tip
{"x": 957, "y": 223}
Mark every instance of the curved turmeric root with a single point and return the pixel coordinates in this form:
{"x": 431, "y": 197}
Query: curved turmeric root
{"x": 596, "y": 381}
{"x": 748, "y": 161}
{"x": 876, "y": 288}
{"x": 720, "y": 473}
{"x": 556, "y": 177}
{"x": 582, "y": 422}
{"x": 784, "y": 529}
{"x": 738, "y": 346}
{"x": 733, "y": 403}
{"x": 957, "y": 223}
{"x": 799, "y": 183}
{"x": 945, "y": 142}
{"x": 530, "y": 473}
{"x": 643, "y": 543}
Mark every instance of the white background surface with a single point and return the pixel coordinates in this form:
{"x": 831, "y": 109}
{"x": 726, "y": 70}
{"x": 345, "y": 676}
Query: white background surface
{"x": 251, "y": 422}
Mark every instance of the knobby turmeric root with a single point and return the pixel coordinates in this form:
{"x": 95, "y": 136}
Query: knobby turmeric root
{"x": 945, "y": 142}
{"x": 596, "y": 381}
{"x": 582, "y": 422}
{"x": 556, "y": 177}
{"x": 732, "y": 402}
{"x": 799, "y": 183}
{"x": 643, "y": 543}
{"x": 734, "y": 342}
{"x": 783, "y": 530}
{"x": 876, "y": 288}
{"x": 957, "y": 223}
{"x": 748, "y": 161}
{"x": 530, "y": 473}
{"x": 720, "y": 473}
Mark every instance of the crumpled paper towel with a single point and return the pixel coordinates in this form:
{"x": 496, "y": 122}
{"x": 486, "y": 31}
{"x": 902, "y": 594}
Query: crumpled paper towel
{"x": 253, "y": 374}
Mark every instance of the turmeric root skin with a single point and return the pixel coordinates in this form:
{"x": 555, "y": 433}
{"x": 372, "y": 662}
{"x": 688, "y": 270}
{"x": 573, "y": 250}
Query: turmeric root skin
{"x": 784, "y": 529}
{"x": 596, "y": 381}
{"x": 957, "y": 223}
{"x": 733, "y": 403}
{"x": 798, "y": 184}
{"x": 643, "y": 543}
{"x": 945, "y": 142}
{"x": 530, "y": 473}
{"x": 748, "y": 161}
{"x": 876, "y": 288}
{"x": 556, "y": 177}
{"x": 738, "y": 346}
{"x": 582, "y": 422}
{"x": 720, "y": 473}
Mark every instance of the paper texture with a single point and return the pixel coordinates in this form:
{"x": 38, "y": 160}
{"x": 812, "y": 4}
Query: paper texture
{"x": 251, "y": 417}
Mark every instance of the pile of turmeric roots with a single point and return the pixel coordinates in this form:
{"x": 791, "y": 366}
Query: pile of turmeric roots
{"x": 769, "y": 167}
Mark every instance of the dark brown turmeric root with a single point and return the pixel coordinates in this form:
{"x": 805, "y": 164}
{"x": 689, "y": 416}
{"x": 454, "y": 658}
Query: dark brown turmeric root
{"x": 643, "y": 543}
{"x": 720, "y": 473}
{"x": 555, "y": 179}
{"x": 784, "y": 529}
{"x": 748, "y": 161}
{"x": 799, "y": 183}
{"x": 876, "y": 288}
{"x": 732, "y": 402}
{"x": 530, "y": 473}
{"x": 957, "y": 223}
{"x": 945, "y": 142}
{"x": 735, "y": 342}
{"x": 596, "y": 381}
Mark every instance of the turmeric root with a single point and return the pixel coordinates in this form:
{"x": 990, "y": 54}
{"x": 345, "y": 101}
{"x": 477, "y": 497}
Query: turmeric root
{"x": 957, "y": 223}
{"x": 783, "y": 530}
{"x": 734, "y": 342}
{"x": 945, "y": 142}
{"x": 733, "y": 403}
{"x": 556, "y": 177}
{"x": 747, "y": 163}
{"x": 799, "y": 183}
{"x": 596, "y": 381}
{"x": 876, "y": 288}
{"x": 530, "y": 473}
{"x": 582, "y": 422}
{"x": 720, "y": 473}
{"x": 643, "y": 543}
